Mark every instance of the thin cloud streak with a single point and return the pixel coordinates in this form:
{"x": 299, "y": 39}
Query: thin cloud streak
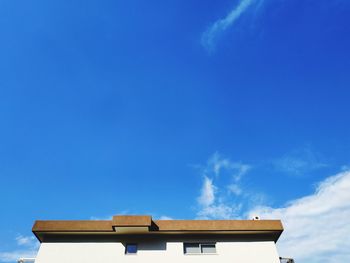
{"x": 300, "y": 162}
{"x": 210, "y": 36}
{"x": 166, "y": 218}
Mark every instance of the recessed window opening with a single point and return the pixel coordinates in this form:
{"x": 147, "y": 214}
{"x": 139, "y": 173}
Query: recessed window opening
{"x": 131, "y": 249}
{"x": 208, "y": 248}
{"x": 199, "y": 248}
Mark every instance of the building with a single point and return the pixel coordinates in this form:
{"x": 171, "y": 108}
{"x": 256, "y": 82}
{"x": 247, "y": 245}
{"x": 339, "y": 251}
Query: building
{"x": 136, "y": 239}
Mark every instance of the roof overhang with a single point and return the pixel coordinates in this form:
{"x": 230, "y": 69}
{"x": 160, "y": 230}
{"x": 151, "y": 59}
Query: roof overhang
{"x": 128, "y": 226}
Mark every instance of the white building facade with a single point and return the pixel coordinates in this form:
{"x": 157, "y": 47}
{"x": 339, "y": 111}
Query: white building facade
{"x": 136, "y": 239}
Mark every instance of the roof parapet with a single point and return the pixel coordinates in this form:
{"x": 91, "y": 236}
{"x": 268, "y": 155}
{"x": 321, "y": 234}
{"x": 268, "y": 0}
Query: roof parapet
{"x": 127, "y": 224}
{"x": 131, "y": 220}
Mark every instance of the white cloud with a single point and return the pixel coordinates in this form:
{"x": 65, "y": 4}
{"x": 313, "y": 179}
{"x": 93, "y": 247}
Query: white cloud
{"x": 210, "y": 35}
{"x": 27, "y": 248}
{"x": 25, "y": 240}
{"x": 13, "y": 256}
{"x": 166, "y": 218}
{"x": 207, "y": 196}
{"x": 317, "y": 227}
{"x": 101, "y": 218}
{"x": 215, "y": 201}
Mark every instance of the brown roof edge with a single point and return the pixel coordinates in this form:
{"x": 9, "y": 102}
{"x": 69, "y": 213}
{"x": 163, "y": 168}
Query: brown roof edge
{"x": 131, "y": 220}
{"x": 161, "y": 225}
{"x": 158, "y": 226}
{"x": 219, "y": 225}
{"x": 72, "y": 226}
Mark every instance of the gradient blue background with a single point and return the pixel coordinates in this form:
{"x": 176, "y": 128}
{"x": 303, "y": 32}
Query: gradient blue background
{"x": 108, "y": 106}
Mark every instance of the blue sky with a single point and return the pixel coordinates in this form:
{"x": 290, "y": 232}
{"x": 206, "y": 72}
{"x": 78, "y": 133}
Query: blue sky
{"x": 181, "y": 109}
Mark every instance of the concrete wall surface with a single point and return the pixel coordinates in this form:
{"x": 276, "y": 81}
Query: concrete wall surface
{"x": 163, "y": 251}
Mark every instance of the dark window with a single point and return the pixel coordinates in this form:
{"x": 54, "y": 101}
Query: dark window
{"x": 208, "y": 248}
{"x": 199, "y": 248}
{"x": 192, "y": 248}
{"x": 131, "y": 249}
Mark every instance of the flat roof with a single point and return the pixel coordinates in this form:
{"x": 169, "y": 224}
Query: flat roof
{"x": 143, "y": 224}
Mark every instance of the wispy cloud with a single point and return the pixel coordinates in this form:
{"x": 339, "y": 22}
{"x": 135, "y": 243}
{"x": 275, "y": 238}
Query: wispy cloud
{"x": 217, "y": 163}
{"x": 25, "y": 240}
{"x": 207, "y": 196}
{"x": 210, "y": 36}
{"x": 299, "y": 162}
{"x": 166, "y": 218}
{"x": 319, "y": 222}
{"x": 221, "y": 195}
{"x": 27, "y": 247}
{"x": 101, "y": 217}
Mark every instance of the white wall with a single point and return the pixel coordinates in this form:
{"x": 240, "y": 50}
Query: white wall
{"x": 166, "y": 252}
